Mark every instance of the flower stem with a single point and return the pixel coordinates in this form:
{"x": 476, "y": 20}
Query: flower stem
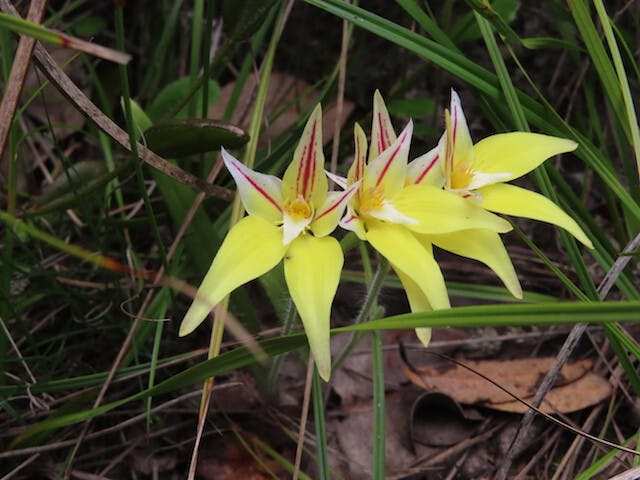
{"x": 367, "y": 309}
{"x": 379, "y": 439}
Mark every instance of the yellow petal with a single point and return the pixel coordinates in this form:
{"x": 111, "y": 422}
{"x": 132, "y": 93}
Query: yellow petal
{"x": 458, "y": 151}
{"x": 261, "y": 194}
{"x": 512, "y": 200}
{"x": 484, "y": 246}
{"x": 411, "y": 258}
{"x": 418, "y": 303}
{"x": 427, "y": 169}
{"x": 439, "y": 211}
{"x": 305, "y": 178}
{"x": 356, "y": 172}
{"x": 252, "y": 247}
{"x": 387, "y": 172}
{"x": 382, "y": 133}
{"x": 353, "y": 223}
{"x": 503, "y": 157}
{"x": 312, "y": 269}
{"x": 328, "y": 215}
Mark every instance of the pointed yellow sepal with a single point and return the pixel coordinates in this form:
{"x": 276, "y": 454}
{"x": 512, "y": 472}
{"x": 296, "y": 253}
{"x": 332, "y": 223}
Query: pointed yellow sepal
{"x": 484, "y": 246}
{"x": 312, "y": 269}
{"x": 251, "y": 248}
{"x": 512, "y": 200}
{"x": 304, "y": 179}
{"x": 382, "y": 133}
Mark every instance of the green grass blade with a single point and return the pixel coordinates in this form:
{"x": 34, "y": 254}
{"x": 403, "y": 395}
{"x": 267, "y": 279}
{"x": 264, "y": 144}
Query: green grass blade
{"x": 622, "y": 79}
{"x": 320, "y": 426}
{"x": 379, "y": 430}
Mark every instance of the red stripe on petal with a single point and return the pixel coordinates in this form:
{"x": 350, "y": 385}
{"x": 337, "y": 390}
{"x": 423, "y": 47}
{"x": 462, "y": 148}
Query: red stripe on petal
{"x": 390, "y": 161}
{"x": 345, "y": 196}
{"x": 255, "y": 185}
{"x": 307, "y": 168}
{"x": 350, "y": 219}
{"x": 427, "y": 169}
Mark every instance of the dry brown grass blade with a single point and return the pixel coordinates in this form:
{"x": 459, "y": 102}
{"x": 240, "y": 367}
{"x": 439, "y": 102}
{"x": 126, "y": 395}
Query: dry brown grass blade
{"x": 17, "y": 76}
{"x": 80, "y": 101}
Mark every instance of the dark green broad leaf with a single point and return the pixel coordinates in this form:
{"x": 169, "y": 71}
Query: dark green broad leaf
{"x": 242, "y": 18}
{"x": 176, "y": 90}
{"x": 191, "y": 136}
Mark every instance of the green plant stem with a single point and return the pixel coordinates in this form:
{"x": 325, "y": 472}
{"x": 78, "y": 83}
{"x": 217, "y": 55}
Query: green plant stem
{"x": 237, "y": 210}
{"x": 367, "y": 309}
{"x": 379, "y": 430}
{"x": 320, "y": 426}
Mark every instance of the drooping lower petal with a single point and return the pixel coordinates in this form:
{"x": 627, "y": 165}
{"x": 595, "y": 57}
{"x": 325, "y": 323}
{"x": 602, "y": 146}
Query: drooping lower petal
{"x": 418, "y": 303}
{"x": 382, "y": 133}
{"x": 405, "y": 252}
{"x": 252, "y": 247}
{"x": 505, "y": 156}
{"x": 328, "y": 215}
{"x": 312, "y": 269}
{"x": 512, "y": 200}
{"x": 484, "y": 246}
{"x": 261, "y": 194}
{"x": 439, "y": 211}
{"x": 305, "y": 178}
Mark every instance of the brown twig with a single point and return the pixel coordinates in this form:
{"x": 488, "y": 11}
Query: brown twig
{"x": 18, "y": 73}
{"x": 567, "y": 348}
{"x": 81, "y": 102}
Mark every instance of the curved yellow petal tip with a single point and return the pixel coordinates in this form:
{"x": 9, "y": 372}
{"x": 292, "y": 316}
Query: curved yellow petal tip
{"x": 424, "y": 335}
{"x": 312, "y": 269}
{"x": 324, "y": 368}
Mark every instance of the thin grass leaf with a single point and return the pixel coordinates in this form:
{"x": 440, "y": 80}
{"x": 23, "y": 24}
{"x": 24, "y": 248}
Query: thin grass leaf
{"x": 320, "y": 427}
{"x": 622, "y": 79}
{"x": 541, "y": 115}
{"x": 34, "y": 30}
{"x": 379, "y": 430}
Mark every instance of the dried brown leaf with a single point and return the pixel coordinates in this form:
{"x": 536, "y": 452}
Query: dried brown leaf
{"x": 575, "y": 388}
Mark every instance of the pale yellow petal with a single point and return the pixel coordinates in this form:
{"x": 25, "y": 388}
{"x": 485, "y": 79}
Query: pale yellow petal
{"x": 411, "y": 258}
{"x": 439, "y": 211}
{"x": 427, "y": 169}
{"x": 352, "y": 222}
{"x": 261, "y": 194}
{"x": 458, "y": 148}
{"x": 382, "y": 133}
{"x": 387, "y": 172}
{"x": 328, "y": 215}
{"x": 512, "y": 200}
{"x": 418, "y": 303}
{"x": 505, "y": 156}
{"x": 484, "y": 246}
{"x": 356, "y": 172}
{"x": 305, "y": 178}
{"x": 252, "y": 247}
{"x": 312, "y": 269}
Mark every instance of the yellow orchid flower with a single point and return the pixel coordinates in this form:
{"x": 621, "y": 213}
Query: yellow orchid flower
{"x": 477, "y": 173}
{"x": 395, "y": 217}
{"x": 287, "y": 219}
